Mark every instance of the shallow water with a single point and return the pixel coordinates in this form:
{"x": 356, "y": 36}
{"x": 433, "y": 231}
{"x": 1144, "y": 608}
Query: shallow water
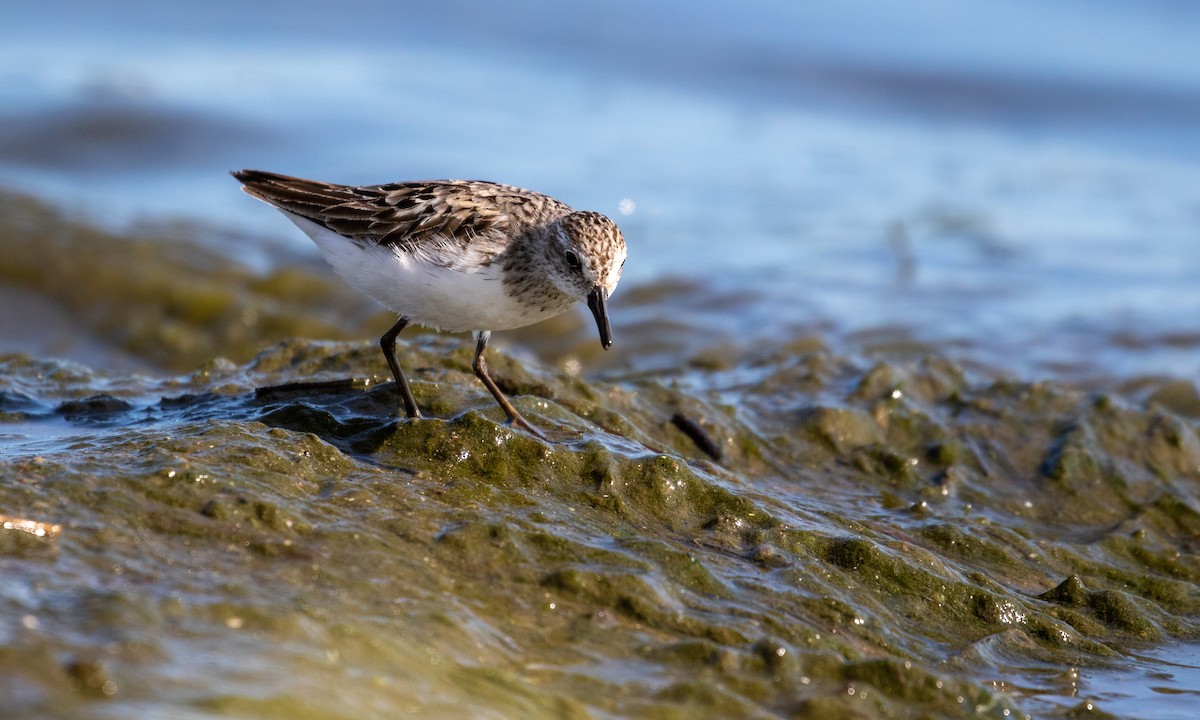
{"x": 1161, "y": 683}
{"x": 925, "y": 445}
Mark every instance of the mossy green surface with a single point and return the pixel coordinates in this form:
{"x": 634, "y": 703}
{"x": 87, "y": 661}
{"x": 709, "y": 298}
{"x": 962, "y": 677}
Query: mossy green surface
{"x": 317, "y": 536}
{"x": 878, "y": 540}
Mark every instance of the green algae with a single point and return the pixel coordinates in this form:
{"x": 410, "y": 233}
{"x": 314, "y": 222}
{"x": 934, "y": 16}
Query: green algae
{"x": 888, "y": 540}
{"x": 538, "y": 569}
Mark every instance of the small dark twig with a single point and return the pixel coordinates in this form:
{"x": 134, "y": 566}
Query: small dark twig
{"x": 699, "y": 435}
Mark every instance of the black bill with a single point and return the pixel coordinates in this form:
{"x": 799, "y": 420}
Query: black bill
{"x": 598, "y": 302}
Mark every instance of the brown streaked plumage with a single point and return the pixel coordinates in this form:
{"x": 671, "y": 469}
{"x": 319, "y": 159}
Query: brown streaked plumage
{"x": 455, "y": 255}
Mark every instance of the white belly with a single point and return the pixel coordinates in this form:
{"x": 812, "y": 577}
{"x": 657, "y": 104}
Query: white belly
{"x": 466, "y": 296}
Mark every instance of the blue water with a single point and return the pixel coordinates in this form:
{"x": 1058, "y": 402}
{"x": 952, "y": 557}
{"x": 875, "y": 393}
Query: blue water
{"x": 1018, "y": 182}
{"x": 1162, "y": 684}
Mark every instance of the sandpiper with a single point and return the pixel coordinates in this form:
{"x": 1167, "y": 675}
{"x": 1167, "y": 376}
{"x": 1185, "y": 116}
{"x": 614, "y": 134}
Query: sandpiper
{"x": 455, "y": 255}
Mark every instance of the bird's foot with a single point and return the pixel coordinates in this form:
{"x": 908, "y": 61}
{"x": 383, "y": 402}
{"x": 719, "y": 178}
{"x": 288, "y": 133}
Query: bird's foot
{"x": 516, "y": 420}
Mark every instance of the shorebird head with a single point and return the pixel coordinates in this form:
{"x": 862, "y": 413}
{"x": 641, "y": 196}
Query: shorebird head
{"x": 590, "y": 254}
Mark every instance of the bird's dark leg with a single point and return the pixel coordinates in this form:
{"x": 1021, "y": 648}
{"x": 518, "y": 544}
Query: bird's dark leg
{"x": 480, "y": 368}
{"x": 388, "y": 343}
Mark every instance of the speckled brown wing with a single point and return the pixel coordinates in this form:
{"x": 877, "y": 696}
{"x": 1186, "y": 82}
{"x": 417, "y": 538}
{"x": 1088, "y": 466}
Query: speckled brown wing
{"x": 407, "y": 215}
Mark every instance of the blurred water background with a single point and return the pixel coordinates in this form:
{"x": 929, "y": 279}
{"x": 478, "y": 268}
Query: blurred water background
{"x": 1012, "y": 185}
{"x": 1017, "y": 182}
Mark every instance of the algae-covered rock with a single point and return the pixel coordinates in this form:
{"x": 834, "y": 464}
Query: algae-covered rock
{"x": 782, "y": 532}
{"x": 308, "y": 533}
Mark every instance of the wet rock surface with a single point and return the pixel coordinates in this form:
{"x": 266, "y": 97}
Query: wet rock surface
{"x": 876, "y": 540}
{"x": 783, "y": 531}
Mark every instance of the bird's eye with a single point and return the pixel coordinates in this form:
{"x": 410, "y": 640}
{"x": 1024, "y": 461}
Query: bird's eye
{"x": 573, "y": 260}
